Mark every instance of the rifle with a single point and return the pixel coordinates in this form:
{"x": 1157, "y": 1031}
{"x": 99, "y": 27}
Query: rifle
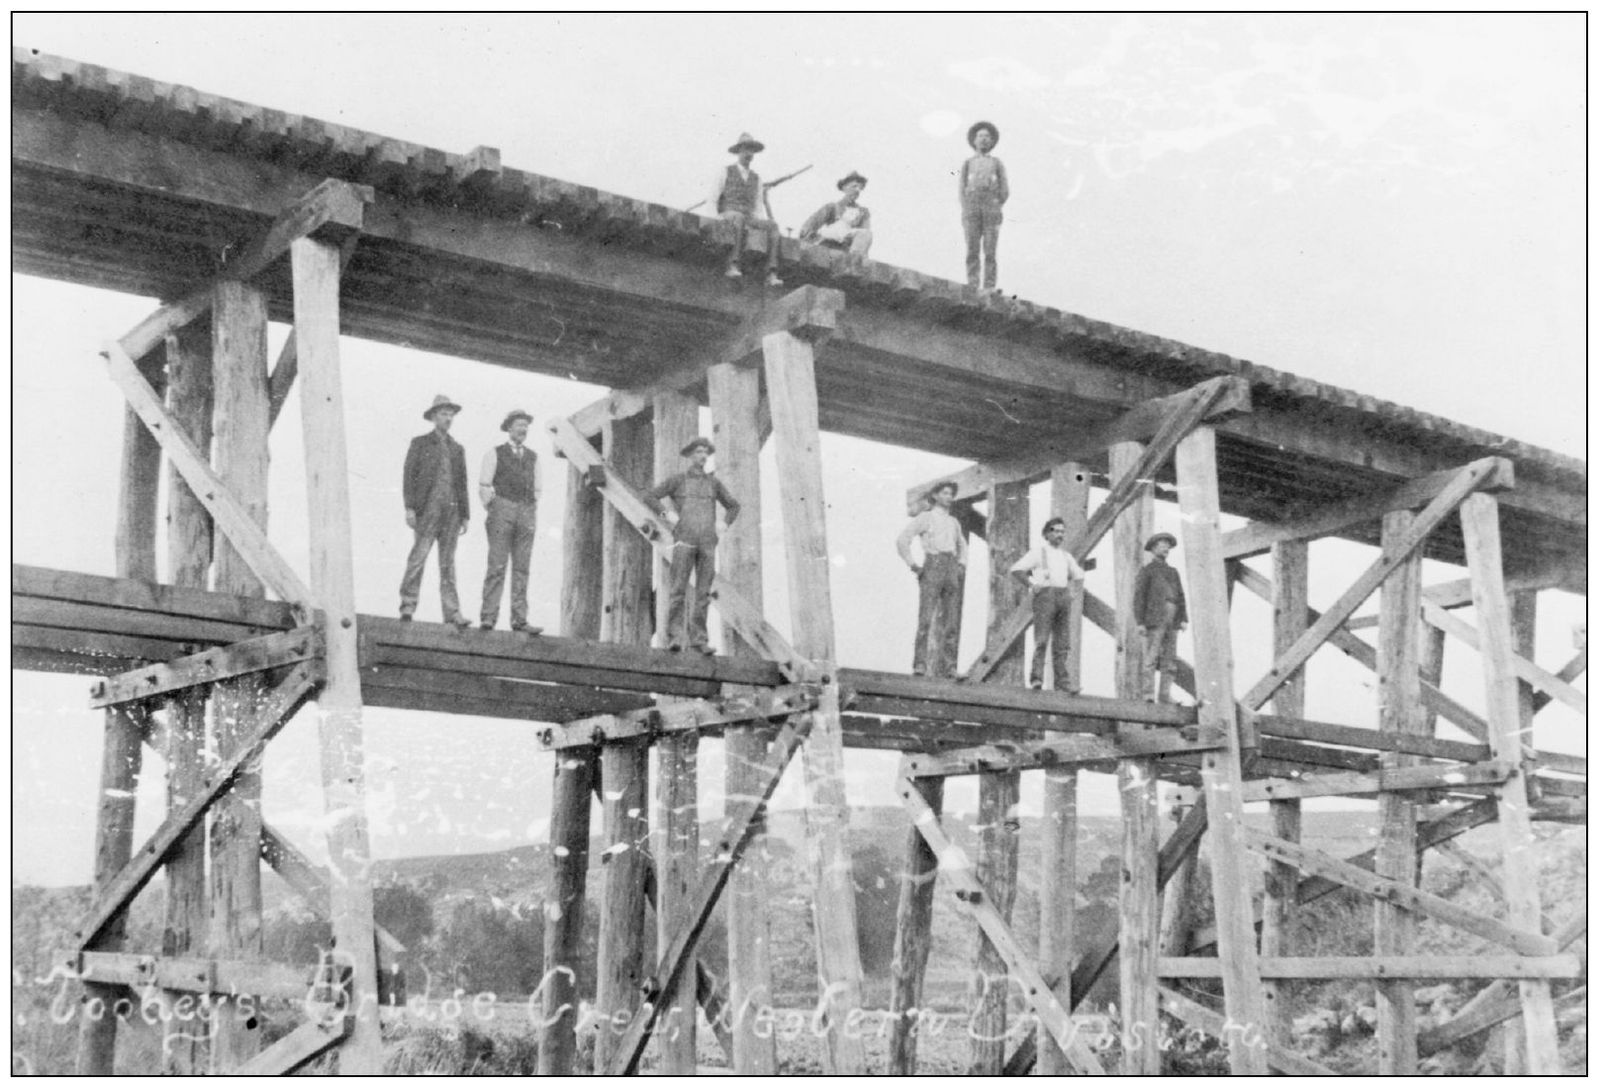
{"x": 766, "y": 185}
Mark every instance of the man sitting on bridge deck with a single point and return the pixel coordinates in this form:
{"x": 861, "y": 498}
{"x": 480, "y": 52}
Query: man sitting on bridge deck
{"x": 843, "y": 223}
{"x": 739, "y": 196}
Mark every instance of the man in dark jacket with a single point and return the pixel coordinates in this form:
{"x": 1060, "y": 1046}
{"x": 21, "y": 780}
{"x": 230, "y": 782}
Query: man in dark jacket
{"x": 1160, "y": 612}
{"x": 434, "y": 488}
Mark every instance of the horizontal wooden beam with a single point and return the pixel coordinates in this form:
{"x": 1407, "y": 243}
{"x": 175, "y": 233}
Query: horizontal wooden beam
{"x": 190, "y": 975}
{"x": 679, "y": 717}
{"x": 1384, "y": 780}
{"x": 1569, "y": 576}
{"x": 272, "y": 714}
{"x": 1138, "y": 424}
{"x": 209, "y": 666}
{"x": 333, "y": 204}
{"x": 1526, "y": 670}
{"x": 1259, "y": 537}
{"x": 1372, "y": 967}
{"x": 1197, "y": 1015}
{"x": 1067, "y": 751}
{"x": 809, "y": 312}
{"x": 1400, "y": 894}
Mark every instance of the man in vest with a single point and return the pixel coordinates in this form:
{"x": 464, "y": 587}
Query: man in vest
{"x": 1160, "y": 612}
{"x": 689, "y": 501}
{"x": 508, "y": 484}
{"x": 739, "y": 196}
{"x": 1053, "y": 573}
{"x": 434, "y": 489}
{"x": 939, "y": 581}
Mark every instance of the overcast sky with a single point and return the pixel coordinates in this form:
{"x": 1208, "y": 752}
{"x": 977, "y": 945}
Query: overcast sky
{"x": 1394, "y": 204}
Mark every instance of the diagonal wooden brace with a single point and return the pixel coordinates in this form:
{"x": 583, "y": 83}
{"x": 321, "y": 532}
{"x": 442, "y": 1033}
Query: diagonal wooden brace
{"x": 1568, "y": 673}
{"x": 693, "y": 715}
{"x": 229, "y": 514}
{"x": 299, "y": 1048}
{"x": 310, "y": 883}
{"x": 332, "y": 205}
{"x": 973, "y": 900}
{"x": 737, "y": 612}
{"x": 1216, "y": 1024}
{"x": 1467, "y": 481}
{"x": 1552, "y": 687}
{"x": 678, "y": 957}
{"x": 221, "y": 663}
{"x": 275, "y": 710}
{"x": 1183, "y": 418}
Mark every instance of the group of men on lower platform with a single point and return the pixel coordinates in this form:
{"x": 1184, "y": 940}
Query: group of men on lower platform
{"x": 434, "y": 488}
{"x": 1052, "y": 573}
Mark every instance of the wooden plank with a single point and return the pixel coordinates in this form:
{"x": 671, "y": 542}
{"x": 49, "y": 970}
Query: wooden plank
{"x": 737, "y": 410}
{"x": 1575, "y": 668}
{"x": 1139, "y": 424}
{"x": 1403, "y": 895}
{"x": 1279, "y": 1055}
{"x": 1469, "y": 479}
{"x": 310, "y": 883}
{"x": 315, "y": 268}
{"x": 1481, "y": 534}
{"x": 681, "y": 717}
{"x": 191, "y": 975}
{"x": 231, "y": 516}
{"x": 914, "y": 935}
{"x": 1196, "y": 464}
{"x": 280, "y": 704}
{"x": 299, "y": 1048}
{"x": 1058, "y": 892}
{"x": 1258, "y": 537}
{"x": 677, "y": 954}
{"x": 1538, "y": 968}
{"x": 1290, "y": 579}
{"x": 790, "y": 370}
{"x": 139, "y": 594}
{"x": 1552, "y": 687}
{"x": 1060, "y": 752}
{"x": 1388, "y": 780}
{"x": 251, "y": 656}
{"x": 1131, "y": 481}
{"x": 972, "y": 900}
{"x": 333, "y": 203}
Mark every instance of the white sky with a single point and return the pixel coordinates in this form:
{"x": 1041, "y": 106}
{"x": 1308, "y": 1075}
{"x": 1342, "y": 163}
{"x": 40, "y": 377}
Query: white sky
{"x": 1389, "y": 203}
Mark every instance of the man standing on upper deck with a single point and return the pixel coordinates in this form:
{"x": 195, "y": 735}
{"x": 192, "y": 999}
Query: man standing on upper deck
{"x": 982, "y": 188}
{"x": 689, "y": 501}
{"x": 434, "y": 489}
{"x": 1053, "y": 573}
{"x": 739, "y": 196}
{"x": 508, "y": 484}
{"x": 939, "y": 581}
{"x": 843, "y": 223}
{"x": 1160, "y": 611}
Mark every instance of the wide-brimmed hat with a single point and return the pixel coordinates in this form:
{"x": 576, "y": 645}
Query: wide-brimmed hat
{"x": 696, "y": 444}
{"x": 1158, "y": 538}
{"x": 941, "y": 486}
{"x": 747, "y": 140}
{"x": 972, "y": 133}
{"x": 514, "y": 414}
{"x": 848, "y": 178}
{"x": 440, "y": 401}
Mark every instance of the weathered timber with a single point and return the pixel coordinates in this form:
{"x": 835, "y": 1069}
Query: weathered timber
{"x": 973, "y": 901}
{"x": 1575, "y": 668}
{"x": 1388, "y": 780}
{"x": 1259, "y": 537}
{"x": 914, "y": 935}
{"x": 1196, "y": 460}
{"x": 190, "y": 975}
{"x": 790, "y": 371}
{"x": 677, "y": 954}
{"x": 310, "y": 883}
{"x": 1290, "y": 579}
{"x": 315, "y": 268}
{"x": 210, "y": 666}
{"x": 1482, "y": 537}
{"x": 1403, "y": 895}
{"x": 681, "y": 717}
{"x": 1063, "y": 752}
{"x": 1396, "y": 552}
{"x": 299, "y": 1048}
{"x": 1279, "y": 1055}
{"x": 332, "y": 204}
{"x": 1552, "y": 687}
{"x": 1537, "y": 968}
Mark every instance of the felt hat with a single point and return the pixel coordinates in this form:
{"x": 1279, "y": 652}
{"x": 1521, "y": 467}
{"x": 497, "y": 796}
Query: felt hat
{"x": 514, "y": 414}
{"x": 440, "y": 401}
{"x": 850, "y": 177}
{"x": 696, "y": 444}
{"x": 941, "y": 486}
{"x": 1159, "y": 537}
{"x": 972, "y": 133}
{"x": 747, "y": 140}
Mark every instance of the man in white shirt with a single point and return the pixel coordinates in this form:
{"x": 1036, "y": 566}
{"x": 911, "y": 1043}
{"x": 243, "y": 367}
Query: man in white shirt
{"x": 508, "y": 484}
{"x": 739, "y": 196}
{"x": 1053, "y": 574}
{"x": 939, "y": 581}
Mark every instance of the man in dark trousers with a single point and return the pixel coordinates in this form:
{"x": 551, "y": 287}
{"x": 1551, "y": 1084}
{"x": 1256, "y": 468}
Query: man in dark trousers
{"x": 982, "y": 187}
{"x": 843, "y": 223}
{"x": 738, "y": 196}
{"x": 689, "y": 501}
{"x": 1052, "y": 572}
{"x": 508, "y": 484}
{"x": 434, "y": 488}
{"x": 1161, "y": 614}
{"x": 939, "y": 581}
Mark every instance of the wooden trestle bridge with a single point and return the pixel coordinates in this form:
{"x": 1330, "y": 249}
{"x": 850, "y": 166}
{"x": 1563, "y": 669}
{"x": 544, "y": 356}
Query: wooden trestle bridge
{"x": 235, "y": 215}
